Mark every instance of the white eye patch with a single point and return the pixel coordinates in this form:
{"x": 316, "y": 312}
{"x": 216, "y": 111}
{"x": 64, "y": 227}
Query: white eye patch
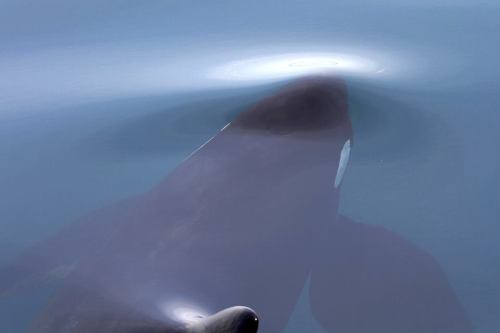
{"x": 344, "y": 159}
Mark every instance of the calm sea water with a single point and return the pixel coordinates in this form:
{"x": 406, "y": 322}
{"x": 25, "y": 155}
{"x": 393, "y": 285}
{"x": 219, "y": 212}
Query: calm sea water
{"x": 100, "y": 100}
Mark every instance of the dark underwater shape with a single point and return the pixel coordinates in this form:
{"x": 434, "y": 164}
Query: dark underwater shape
{"x": 246, "y": 219}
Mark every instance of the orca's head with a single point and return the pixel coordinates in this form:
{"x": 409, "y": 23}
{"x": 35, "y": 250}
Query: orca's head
{"x": 305, "y": 126}
{"x": 237, "y": 319}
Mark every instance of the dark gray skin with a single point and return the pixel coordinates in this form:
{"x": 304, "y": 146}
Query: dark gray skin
{"x": 236, "y": 319}
{"x": 245, "y": 220}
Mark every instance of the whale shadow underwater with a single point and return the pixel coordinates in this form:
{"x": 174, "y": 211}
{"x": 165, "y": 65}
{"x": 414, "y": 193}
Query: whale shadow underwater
{"x": 246, "y": 220}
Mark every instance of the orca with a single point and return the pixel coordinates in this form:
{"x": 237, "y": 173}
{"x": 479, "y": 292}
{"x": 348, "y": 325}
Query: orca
{"x": 236, "y": 319}
{"x": 248, "y": 218}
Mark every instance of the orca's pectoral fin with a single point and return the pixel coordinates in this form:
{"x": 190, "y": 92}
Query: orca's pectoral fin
{"x": 25, "y": 274}
{"x": 46, "y": 262}
{"x": 371, "y": 279}
{"x": 52, "y": 259}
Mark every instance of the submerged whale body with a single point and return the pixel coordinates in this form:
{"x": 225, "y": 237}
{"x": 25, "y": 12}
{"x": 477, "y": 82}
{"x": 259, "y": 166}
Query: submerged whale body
{"x": 247, "y": 219}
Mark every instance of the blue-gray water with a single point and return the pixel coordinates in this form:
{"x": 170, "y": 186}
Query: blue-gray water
{"x": 99, "y": 100}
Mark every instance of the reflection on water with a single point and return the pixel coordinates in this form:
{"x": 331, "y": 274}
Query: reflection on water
{"x": 101, "y": 102}
{"x": 294, "y": 65}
